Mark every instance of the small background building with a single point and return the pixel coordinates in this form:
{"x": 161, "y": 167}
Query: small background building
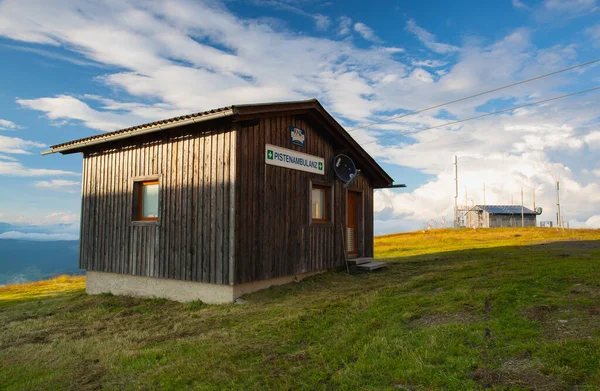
{"x": 499, "y": 216}
{"x": 217, "y": 204}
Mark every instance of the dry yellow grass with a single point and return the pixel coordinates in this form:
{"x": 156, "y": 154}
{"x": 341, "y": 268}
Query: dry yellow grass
{"x": 445, "y": 240}
{"x": 43, "y": 288}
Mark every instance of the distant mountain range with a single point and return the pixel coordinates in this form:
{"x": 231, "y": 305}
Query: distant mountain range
{"x": 25, "y": 260}
{"x": 32, "y": 260}
{"x": 5, "y": 227}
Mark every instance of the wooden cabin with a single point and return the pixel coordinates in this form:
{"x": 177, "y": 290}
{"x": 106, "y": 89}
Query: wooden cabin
{"x": 221, "y": 203}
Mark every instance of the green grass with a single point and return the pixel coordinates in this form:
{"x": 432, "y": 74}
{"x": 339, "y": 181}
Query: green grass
{"x": 497, "y": 309}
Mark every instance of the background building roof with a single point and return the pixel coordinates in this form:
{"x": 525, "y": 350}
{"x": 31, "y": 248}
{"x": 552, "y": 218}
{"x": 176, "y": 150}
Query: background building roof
{"x": 506, "y": 209}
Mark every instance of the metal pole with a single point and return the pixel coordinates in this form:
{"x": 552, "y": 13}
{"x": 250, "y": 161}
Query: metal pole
{"x": 534, "y": 208}
{"x": 483, "y": 212}
{"x": 557, "y": 205}
{"x": 456, "y": 225}
{"x": 522, "y": 210}
{"x": 484, "y": 194}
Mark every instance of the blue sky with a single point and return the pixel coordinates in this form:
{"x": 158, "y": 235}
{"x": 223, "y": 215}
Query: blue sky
{"x": 73, "y": 69}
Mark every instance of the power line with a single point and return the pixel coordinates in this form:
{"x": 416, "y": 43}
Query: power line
{"x": 475, "y": 96}
{"x": 484, "y": 115}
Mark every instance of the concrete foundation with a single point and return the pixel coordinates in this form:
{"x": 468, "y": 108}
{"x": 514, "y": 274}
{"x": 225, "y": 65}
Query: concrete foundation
{"x": 178, "y": 290}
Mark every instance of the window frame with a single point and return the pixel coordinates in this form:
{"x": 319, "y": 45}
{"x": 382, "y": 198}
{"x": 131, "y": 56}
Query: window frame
{"x": 326, "y": 206}
{"x": 140, "y": 184}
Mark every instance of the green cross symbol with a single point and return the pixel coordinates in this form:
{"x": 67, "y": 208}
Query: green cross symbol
{"x": 320, "y": 166}
{"x": 270, "y": 154}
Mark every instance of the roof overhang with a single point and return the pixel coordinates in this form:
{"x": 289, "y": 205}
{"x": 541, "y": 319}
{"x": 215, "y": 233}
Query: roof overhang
{"x": 78, "y": 145}
{"x": 312, "y": 107}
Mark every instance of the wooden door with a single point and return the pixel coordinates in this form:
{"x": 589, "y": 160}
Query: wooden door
{"x": 352, "y": 223}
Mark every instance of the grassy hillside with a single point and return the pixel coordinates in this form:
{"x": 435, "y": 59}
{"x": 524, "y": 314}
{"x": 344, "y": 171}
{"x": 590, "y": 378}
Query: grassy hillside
{"x": 500, "y": 309}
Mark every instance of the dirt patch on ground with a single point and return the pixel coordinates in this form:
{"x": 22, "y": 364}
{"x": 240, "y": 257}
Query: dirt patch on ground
{"x": 517, "y": 373}
{"x": 431, "y": 320}
{"x": 560, "y": 323}
{"x": 578, "y": 328}
{"x": 540, "y": 312}
{"x": 582, "y": 289}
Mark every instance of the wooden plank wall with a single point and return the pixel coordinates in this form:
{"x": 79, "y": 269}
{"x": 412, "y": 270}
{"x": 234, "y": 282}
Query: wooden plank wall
{"x": 274, "y": 233}
{"x": 511, "y": 221}
{"x": 193, "y": 239}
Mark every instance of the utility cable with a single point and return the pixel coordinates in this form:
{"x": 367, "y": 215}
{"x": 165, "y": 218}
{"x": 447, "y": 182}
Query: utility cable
{"x": 483, "y": 115}
{"x": 475, "y": 96}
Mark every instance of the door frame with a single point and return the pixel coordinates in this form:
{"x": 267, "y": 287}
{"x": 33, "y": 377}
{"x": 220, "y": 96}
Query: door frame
{"x": 359, "y": 240}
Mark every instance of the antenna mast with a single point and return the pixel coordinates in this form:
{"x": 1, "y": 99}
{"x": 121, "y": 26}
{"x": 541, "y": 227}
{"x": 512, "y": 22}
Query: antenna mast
{"x": 484, "y": 195}
{"x": 522, "y": 210}
{"x": 456, "y": 225}
{"x": 557, "y": 205}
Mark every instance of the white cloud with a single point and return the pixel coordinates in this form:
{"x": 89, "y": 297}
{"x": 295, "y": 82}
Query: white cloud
{"x": 16, "y": 145}
{"x": 322, "y": 22}
{"x": 552, "y": 10}
{"x": 17, "y": 169}
{"x": 593, "y": 222}
{"x": 59, "y": 184}
{"x": 62, "y": 225}
{"x": 366, "y": 32}
{"x": 520, "y": 5}
{"x": 393, "y": 50}
{"x": 8, "y": 125}
{"x": 503, "y": 174}
{"x": 506, "y": 153}
{"x": 594, "y": 33}
{"x": 61, "y": 218}
{"x": 164, "y": 63}
{"x": 429, "y": 39}
{"x": 7, "y": 157}
{"x": 64, "y": 107}
{"x": 572, "y": 6}
{"x": 53, "y": 55}
{"x": 429, "y": 63}
{"x": 593, "y": 139}
{"x": 422, "y": 75}
{"x": 55, "y": 222}
{"x": 344, "y": 26}
{"x": 37, "y": 236}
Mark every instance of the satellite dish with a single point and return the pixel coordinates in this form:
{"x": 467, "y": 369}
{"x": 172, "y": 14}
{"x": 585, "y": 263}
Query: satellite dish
{"x": 344, "y": 168}
{"x": 538, "y": 210}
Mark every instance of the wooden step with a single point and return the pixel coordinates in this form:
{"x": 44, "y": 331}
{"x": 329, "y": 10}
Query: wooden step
{"x": 359, "y": 261}
{"x": 372, "y": 266}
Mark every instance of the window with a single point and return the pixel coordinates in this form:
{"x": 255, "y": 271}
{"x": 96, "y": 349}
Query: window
{"x": 147, "y": 201}
{"x": 320, "y": 201}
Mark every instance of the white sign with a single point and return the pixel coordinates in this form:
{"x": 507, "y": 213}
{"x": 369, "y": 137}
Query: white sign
{"x": 288, "y": 158}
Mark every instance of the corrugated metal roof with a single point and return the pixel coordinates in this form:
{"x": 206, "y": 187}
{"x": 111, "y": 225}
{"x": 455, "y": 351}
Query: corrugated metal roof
{"x": 140, "y": 127}
{"x": 506, "y": 209}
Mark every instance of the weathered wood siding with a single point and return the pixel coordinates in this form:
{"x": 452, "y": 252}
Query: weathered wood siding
{"x": 274, "y": 233}
{"x": 193, "y": 237}
{"x": 510, "y": 221}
